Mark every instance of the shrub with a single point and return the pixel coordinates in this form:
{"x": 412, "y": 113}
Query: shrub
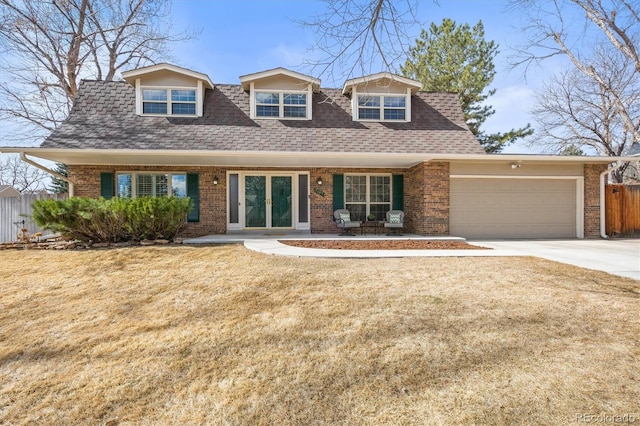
{"x": 113, "y": 220}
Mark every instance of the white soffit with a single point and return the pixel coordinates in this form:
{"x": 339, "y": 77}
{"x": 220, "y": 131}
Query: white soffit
{"x": 131, "y": 75}
{"x": 285, "y": 159}
{"x": 245, "y": 80}
{"x": 413, "y": 84}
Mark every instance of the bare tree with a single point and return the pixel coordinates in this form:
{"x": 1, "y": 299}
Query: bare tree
{"x": 362, "y": 36}
{"x": 609, "y": 26}
{"x": 49, "y": 46}
{"x": 574, "y": 110}
{"x": 21, "y": 176}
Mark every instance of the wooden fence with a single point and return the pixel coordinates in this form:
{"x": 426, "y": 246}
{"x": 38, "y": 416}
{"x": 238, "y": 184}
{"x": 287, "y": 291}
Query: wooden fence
{"x": 16, "y": 209}
{"x": 622, "y": 210}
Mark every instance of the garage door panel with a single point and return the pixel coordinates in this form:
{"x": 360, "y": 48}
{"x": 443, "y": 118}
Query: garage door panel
{"x": 513, "y": 208}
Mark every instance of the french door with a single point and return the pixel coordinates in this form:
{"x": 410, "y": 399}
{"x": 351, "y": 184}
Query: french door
{"x": 268, "y": 201}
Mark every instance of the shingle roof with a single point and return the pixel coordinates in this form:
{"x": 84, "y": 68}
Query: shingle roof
{"x": 103, "y": 117}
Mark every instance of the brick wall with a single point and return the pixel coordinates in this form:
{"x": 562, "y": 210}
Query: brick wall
{"x": 591, "y": 173}
{"x": 427, "y": 199}
{"x": 213, "y": 206}
{"x": 322, "y": 206}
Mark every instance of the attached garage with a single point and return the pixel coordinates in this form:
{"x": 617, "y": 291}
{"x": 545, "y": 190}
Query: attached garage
{"x": 525, "y": 207}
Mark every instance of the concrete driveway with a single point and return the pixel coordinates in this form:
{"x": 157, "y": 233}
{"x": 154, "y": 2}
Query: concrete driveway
{"x": 617, "y": 257}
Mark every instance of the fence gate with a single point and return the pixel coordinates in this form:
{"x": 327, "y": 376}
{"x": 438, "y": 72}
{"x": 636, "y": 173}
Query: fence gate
{"x": 16, "y": 209}
{"x": 622, "y": 210}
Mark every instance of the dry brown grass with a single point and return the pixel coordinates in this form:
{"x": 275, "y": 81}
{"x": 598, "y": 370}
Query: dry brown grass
{"x": 222, "y": 335}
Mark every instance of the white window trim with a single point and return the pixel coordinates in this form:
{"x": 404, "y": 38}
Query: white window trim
{"x": 355, "y": 107}
{"x": 139, "y": 172}
{"x": 198, "y": 102}
{"x": 368, "y": 201}
{"x": 254, "y": 103}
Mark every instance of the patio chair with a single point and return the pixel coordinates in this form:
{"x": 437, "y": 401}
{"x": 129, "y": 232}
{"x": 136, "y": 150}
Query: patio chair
{"x": 343, "y": 221}
{"x": 395, "y": 221}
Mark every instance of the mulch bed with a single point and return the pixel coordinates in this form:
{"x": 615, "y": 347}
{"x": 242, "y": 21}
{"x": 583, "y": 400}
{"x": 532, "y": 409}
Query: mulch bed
{"x": 383, "y": 244}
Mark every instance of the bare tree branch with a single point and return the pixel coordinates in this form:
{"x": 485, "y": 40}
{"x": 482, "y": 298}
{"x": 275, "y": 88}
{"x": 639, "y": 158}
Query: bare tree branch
{"x": 362, "y": 36}
{"x": 602, "y": 49}
{"x": 48, "y": 47}
{"x": 21, "y": 176}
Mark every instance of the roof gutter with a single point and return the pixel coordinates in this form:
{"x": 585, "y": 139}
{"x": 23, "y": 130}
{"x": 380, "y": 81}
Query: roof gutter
{"x": 24, "y": 158}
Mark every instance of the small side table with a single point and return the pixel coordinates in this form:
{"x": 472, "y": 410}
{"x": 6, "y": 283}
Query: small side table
{"x": 376, "y": 225}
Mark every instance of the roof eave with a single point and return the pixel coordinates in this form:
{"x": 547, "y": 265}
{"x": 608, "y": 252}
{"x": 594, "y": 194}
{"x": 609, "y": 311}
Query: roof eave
{"x": 413, "y": 84}
{"x": 170, "y": 158}
{"x": 245, "y": 80}
{"x": 131, "y": 75}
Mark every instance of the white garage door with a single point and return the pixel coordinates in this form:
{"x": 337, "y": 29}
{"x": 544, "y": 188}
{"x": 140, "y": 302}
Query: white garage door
{"x": 513, "y": 208}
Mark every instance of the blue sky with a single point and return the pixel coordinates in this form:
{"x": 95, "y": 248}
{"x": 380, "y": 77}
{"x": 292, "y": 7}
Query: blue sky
{"x": 246, "y": 36}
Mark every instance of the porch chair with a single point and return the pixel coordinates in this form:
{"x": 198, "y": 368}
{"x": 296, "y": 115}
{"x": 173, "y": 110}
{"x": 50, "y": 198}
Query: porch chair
{"x": 343, "y": 221}
{"x": 395, "y": 221}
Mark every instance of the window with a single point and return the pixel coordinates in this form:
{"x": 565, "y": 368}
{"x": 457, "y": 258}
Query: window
{"x": 367, "y": 194}
{"x": 281, "y": 105}
{"x": 382, "y": 108}
{"x": 169, "y": 101}
{"x": 151, "y": 184}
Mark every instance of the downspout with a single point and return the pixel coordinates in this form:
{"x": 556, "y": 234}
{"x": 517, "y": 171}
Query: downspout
{"x": 24, "y": 158}
{"x": 603, "y": 222}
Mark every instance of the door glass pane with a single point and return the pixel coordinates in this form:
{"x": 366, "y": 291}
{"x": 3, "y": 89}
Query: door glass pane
{"x": 281, "y": 201}
{"x": 303, "y": 198}
{"x": 233, "y": 198}
{"x": 255, "y": 191}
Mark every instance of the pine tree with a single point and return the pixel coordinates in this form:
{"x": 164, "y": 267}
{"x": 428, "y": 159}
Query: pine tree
{"x": 58, "y": 186}
{"x": 452, "y": 58}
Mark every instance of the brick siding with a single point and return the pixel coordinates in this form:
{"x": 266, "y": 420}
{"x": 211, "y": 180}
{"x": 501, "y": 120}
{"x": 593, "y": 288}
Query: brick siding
{"x": 591, "y": 173}
{"x": 427, "y": 198}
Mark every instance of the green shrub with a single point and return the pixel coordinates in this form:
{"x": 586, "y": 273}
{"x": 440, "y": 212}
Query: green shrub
{"x": 113, "y": 220}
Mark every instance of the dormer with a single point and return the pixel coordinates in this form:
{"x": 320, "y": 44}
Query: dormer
{"x": 168, "y": 91}
{"x": 280, "y": 94}
{"x": 381, "y": 97}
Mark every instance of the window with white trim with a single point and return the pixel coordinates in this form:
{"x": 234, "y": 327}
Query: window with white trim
{"x": 281, "y": 104}
{"x": 366, "y": 195}
{"x": 382, "y": 107}
{"x": 160, "y": 101}
{"x": 131, "y": 185}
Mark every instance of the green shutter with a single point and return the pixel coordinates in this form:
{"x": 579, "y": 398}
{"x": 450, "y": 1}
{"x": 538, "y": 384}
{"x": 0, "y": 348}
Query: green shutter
{"x": 193, "y": 192}
{"x": 338, "y": 192}
{"x": 107, "y": 185}
{"x": 398, "y": 192}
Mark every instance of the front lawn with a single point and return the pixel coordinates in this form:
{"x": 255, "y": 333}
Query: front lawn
{"x": 223, "y": 335}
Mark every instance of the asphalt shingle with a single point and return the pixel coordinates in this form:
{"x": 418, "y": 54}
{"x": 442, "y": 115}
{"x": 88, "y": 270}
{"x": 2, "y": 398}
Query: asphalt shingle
{"x": 103, "y": 117}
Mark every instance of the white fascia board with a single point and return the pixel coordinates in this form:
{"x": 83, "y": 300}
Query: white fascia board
{"x": 413, "y": 84}
{"x": 282, "y": 159}
{"x": 245, "y": 80}
{"x": 131, "y": 75}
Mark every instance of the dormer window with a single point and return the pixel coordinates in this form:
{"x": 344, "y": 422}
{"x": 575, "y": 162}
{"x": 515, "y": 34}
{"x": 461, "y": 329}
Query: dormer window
{"x": 381, "y": 97}
{"x": 281, "y": 105}
{"x": 382, "y": 108}
{"x": 169, "y": 101}
{"x": 168, "y": 90}
{"x": 280, "y": 94}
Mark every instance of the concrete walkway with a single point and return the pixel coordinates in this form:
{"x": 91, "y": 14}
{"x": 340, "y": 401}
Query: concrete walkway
{"x": 618, "y": 257}
{"x": 276, "y": 247}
